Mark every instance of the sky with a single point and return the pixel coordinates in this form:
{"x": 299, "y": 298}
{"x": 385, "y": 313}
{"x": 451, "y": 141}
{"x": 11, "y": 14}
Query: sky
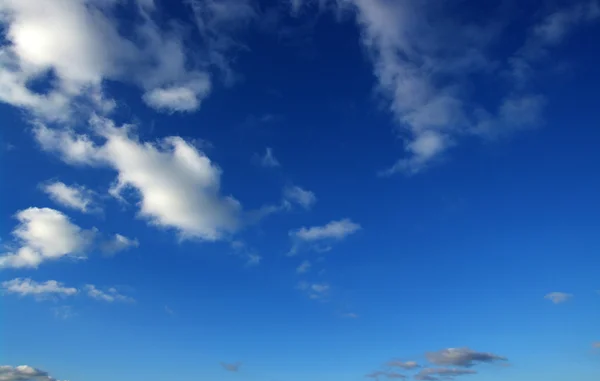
{"x": 291, "y": 190}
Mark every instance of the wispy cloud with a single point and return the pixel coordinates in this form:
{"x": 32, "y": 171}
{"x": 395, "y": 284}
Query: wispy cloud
{"x": 268, "y": 160}
{"x": 71, "y": 196}
{"x": 558, "y": 297}
{"x": 461, "y": 357}
{"x": 231, "y": 367}
{"x": 303, "y": 267}
{"x": 118, "y": 243}
{"x": 110, "y": 295}
{"x": 319, "y": 238}
{"x": 43, "y": 290}
{"x": 300, "y": 196}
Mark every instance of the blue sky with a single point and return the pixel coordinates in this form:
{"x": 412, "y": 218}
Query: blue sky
{"x": 291, "y": 190}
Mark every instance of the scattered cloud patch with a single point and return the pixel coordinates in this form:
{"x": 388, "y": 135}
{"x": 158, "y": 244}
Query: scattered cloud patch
{"x": 63, "y": 312}
{"x": 302, "y": 197}
{"x": 320, "y": 237}
{"x": 387, "y": 374}
{"x": 435, "y": 374}
{"x": 558, "y": 297}
{"x": 43, "y": 290}
{"x": 111, "y": 295}
{"x": 317, "y": 291}
{"x": 23, "y": 373}
{"x": 231, "y": 367}
{"x": 403, "y": 364}
{"x": 185, "y": 98}
{"x": 71, "y": 196}
{"x": 45, "y": 234}
{"x": 118, "y": 243}
{"x": 464, "y": 357}
{"x": 303, "y": 267}
{"x": 268, "y": 160}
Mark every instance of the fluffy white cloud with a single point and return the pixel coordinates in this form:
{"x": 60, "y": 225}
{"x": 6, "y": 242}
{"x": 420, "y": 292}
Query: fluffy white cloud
{"x": 91, "y": 46}
{"x": 111, "y": 295}
{"x": 464, "y": 357}
{"x": 45, "y": 234}
{"x": 71, "y": 196}
{"x": 335, "y": 230}
{"x": 302, "y": 197}
{"x": 119, "y": 243}
{"x": 178, "y": 186}
{"x": 28, "y": 287}
{"x": 558, "y": 297}
{"x": 23, "y": 373}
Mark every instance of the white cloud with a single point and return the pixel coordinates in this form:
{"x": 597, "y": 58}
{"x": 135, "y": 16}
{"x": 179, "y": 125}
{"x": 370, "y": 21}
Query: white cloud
{"x": 558, "y": 297}
{"x": 435, "y": 374}
{"x": 23, "y": 373}
{"x": 317, "y": 291}
{"x": 179, "y": 186}
{"x": 335, "y": 230}
{"x": 268, "y": 159}
{"x": 302, "y": 197}
{"x": 303, "y": 267}
{"x": 45, "y": 234}
{"x": 119, "y": 243}
{"x": 423, "y": 59}
{"x": 464, "y": 357}
{"x": 71, "y": 196}
{"x": 28, "y": 287}
{"x": 403, "y": 364}
{"x": 111, "y": 295}
{"x": 92, "y": 46}
{"x": 178, "y": 98}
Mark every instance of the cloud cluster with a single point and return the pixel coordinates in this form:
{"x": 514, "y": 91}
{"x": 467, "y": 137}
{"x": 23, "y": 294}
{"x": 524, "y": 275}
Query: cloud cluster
{"x": 177, "y": 184}
{"x": 445, "y": 364}
{"x": 23, "y": 373}
{"x": 91, "y": 47}
{"x": 317, "y": 291}
{"x": 53, "y": 289}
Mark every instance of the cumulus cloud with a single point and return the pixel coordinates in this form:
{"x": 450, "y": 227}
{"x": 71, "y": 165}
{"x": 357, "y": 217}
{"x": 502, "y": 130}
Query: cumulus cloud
{"x": 268, "y": 160}
{"x": 300, "y": 196}
{"x": 23, "y": 373}
{"x": 558, "y": 297}
{"x": 435, "y": 374}
{"x": 71, "y": 196}
{"x": 231, "y": 367}
{"x": 45, "y": 234}
{"x": 464, "y": 357}
{"x": 119, "y": 243}
{"x": 110, "y": 295}
{"x": 178, "y": 185}
{"x": 92, "y": 46}
{"x": 29, "y": 287}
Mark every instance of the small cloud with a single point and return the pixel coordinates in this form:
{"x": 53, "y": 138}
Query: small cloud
{"x": 231, "y": 367}
{"x": 23, "y": 373}
{"x": 464, "y": 357}
{"x": 387, "y": 374}
{"x": 317, "y": 291}
{"x": 350, "y": 315}
{"x": 435, "y": 374}
{"x": 253, "y": 259}
{"x": 319, "y": 237}
{"x": 268, "y": 160}
{"x": 63, "y": 312}
{"x": 119, "y": 243}
{"x": 43, "y": 290}
{"x": 302, "y": 197}
{"x": 558, "y": 297}
{"x": 304, "y": 267}
{"x": 71, "y": 196}
{"x": 110, "y": 296}
{"x": 403, "y": 364}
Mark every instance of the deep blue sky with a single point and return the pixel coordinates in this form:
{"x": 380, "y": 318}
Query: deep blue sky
{"x": 482, "y": 240}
